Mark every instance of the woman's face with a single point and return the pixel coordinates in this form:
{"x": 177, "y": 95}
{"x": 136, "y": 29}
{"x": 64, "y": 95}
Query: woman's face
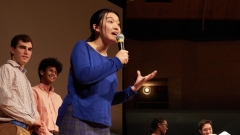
{"x": 206, "y": 129}
{"x": 109, "y": 28}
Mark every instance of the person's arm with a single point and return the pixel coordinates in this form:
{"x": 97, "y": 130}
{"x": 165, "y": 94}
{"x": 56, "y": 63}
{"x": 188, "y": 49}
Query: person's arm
{"x": 85, "y": 71}
{"x": 35, "y": 98}
{"x": 36, "y": 101}
{"x": 43, "y": 130}
{"x": 8, "y": 103}
{"x": 125, "y": 95}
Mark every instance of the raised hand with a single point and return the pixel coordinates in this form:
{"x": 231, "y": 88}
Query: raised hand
{"x": 142, "y": 79}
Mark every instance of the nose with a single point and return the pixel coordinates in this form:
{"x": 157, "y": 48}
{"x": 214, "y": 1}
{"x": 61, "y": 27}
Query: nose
{"x": 26, "y": 51}
{"x": 117, "y": 27}
{"x": 54, "y": 73}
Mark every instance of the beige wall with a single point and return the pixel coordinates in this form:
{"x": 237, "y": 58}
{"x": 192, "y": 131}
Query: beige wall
{"x": 55, "y": 26}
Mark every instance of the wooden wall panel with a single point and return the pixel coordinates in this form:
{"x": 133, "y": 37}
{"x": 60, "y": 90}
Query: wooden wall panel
{"x": 218, "y": 9}
{"x": 193, "y": 9}
{"x": 134, "y": 9}
{"x": 233, "y": 12}
{"x": 201, "y": 74}
{"x": 184, "y": 9}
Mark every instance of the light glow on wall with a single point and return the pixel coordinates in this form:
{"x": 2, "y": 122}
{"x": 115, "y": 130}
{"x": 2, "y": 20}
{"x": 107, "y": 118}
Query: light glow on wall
{"x": 146, "y": 90}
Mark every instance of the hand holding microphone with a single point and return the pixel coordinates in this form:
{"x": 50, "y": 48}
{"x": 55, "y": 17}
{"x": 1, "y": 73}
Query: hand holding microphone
{"x": 122, "y": 54}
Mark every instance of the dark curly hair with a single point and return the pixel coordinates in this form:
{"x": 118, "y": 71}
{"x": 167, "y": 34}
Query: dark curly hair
{"x": 49, "y": 62}
{"x": 154, "y": 123}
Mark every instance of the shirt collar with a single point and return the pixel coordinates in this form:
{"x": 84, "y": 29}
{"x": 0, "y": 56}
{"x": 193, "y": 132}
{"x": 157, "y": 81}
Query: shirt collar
{"x": 44, "y": 87}
{"x": 15, "y": 64}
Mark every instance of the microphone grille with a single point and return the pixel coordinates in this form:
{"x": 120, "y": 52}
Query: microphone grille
{"x": 120, "y": 37}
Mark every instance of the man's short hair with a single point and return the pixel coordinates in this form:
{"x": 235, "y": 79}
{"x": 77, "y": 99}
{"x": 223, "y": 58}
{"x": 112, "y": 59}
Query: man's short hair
{"x": 17, "y": 38}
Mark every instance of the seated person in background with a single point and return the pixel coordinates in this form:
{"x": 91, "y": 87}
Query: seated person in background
{"x": 47, "y": 100}
{"x": 159, "y": 126}
{"x": 205, "y": 127}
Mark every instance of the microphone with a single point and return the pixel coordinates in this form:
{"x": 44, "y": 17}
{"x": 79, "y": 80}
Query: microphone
{"x": 120, "y": 40}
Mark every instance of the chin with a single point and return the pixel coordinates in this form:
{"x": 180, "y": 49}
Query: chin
{"x": 113, "y": 40}
{"x": 22, "y": 63}
{"x": 51, "y": 81}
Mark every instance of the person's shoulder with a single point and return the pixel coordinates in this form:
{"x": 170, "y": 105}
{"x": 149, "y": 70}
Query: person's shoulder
{"x": 81, "y": 42}
{"x": 80, "y": 45}
{"x": 3, "y": 66}
{"x": 57, "y": 95}
{"x": 35, "y": 87}
{"x": 6, "y": 66}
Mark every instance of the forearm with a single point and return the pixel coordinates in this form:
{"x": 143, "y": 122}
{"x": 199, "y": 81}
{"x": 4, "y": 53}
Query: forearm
{"x": 123, "y": 96}
{"x": 17, "y": 114}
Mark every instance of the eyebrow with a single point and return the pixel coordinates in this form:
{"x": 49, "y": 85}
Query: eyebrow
{"x": 111, "y": 18}
{"x": 25, "y": 46}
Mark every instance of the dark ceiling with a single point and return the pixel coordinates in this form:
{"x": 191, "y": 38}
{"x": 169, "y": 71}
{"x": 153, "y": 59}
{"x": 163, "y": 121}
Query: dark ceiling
{"x": 199, "y": 20}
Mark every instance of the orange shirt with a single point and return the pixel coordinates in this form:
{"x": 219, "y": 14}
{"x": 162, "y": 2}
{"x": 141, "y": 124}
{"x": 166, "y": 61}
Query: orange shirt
{"x": 47, "y": 105}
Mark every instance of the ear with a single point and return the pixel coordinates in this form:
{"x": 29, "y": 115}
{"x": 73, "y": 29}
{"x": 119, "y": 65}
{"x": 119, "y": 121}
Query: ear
{"x": 200, "y": 131}
{"x": 41, "y": 72}
{"x": 96, "y": 27}
{"x": 12, "y": 50}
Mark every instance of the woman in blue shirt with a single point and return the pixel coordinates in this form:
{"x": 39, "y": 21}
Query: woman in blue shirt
{"x": 92, "y": 81}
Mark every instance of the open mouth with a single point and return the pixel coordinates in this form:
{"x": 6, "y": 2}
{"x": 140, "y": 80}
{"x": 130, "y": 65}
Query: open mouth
{"x": 114, "y": 33}
{"x": 52, "y": 77}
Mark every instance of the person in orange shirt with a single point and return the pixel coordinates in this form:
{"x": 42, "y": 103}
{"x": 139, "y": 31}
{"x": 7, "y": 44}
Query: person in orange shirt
{"x": 47, "y": 100}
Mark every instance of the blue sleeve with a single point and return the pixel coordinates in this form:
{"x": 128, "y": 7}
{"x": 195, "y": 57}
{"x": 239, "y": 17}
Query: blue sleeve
{"x": 123, "y": 96}
{"x": 87, "y": 68}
